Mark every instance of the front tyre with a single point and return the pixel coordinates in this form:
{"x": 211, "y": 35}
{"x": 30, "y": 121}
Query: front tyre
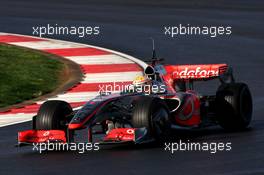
{"x": 52, "y": 115}
{"x": 151, "y": 113}
{"x": 234, "y": 106}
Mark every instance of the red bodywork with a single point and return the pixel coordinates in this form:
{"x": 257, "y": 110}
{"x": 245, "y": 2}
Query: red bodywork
{"x": 41, "y": 136}
{"x": 189, "y": 112}
{"x": 195, "y": 71}
{"x": 192, "y": 72}
{"x": 121, "y": 134}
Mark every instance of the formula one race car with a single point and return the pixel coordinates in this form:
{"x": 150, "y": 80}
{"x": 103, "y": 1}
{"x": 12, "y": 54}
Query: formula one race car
{"x": 161, "y": 100}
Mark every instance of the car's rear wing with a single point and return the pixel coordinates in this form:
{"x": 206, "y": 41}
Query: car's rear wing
{"x": 196, "y": 72}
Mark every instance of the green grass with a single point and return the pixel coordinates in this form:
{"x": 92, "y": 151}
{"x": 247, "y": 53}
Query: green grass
{"x": 26, "y": 74}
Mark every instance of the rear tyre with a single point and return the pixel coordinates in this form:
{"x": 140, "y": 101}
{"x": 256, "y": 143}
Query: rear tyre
{"x": 153, "y": 114}
{"x": 234, "y": 106}
{"x": 53, "y": 115}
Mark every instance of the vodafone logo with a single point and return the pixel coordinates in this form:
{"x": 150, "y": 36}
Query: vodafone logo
{"x": 195, "y": 73}
{"x": 130, "y": 131}
{"x": 46, "y": 133}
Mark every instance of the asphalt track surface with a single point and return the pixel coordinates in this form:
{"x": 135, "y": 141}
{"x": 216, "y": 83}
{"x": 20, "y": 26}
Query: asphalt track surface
{"x": 126, "y": 27}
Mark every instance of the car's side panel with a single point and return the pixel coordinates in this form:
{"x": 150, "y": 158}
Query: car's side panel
{"x": 188, "y": 113}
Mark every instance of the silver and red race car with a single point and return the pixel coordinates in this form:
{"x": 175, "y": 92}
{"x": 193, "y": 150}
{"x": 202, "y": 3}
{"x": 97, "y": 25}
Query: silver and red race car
{"x": 146, "y": 113}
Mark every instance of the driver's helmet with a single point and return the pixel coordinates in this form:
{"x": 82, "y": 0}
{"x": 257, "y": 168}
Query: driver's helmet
{"x": 141, "y": 80}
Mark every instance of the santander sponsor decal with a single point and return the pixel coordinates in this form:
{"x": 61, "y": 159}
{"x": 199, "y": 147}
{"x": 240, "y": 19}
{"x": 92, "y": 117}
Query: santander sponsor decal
{"x": 195, "y": 72}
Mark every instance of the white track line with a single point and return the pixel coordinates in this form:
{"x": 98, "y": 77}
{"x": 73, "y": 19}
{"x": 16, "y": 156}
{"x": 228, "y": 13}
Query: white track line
{"x": 78, "y": 94}
{"x": 100, "y": 59}
{"x": 47, "y": 44}
{"x": 10, "y": 119}
{"x": 1, "y": 33}
{"x": 110, "y": 77}
{"x": 76, "y": 97}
